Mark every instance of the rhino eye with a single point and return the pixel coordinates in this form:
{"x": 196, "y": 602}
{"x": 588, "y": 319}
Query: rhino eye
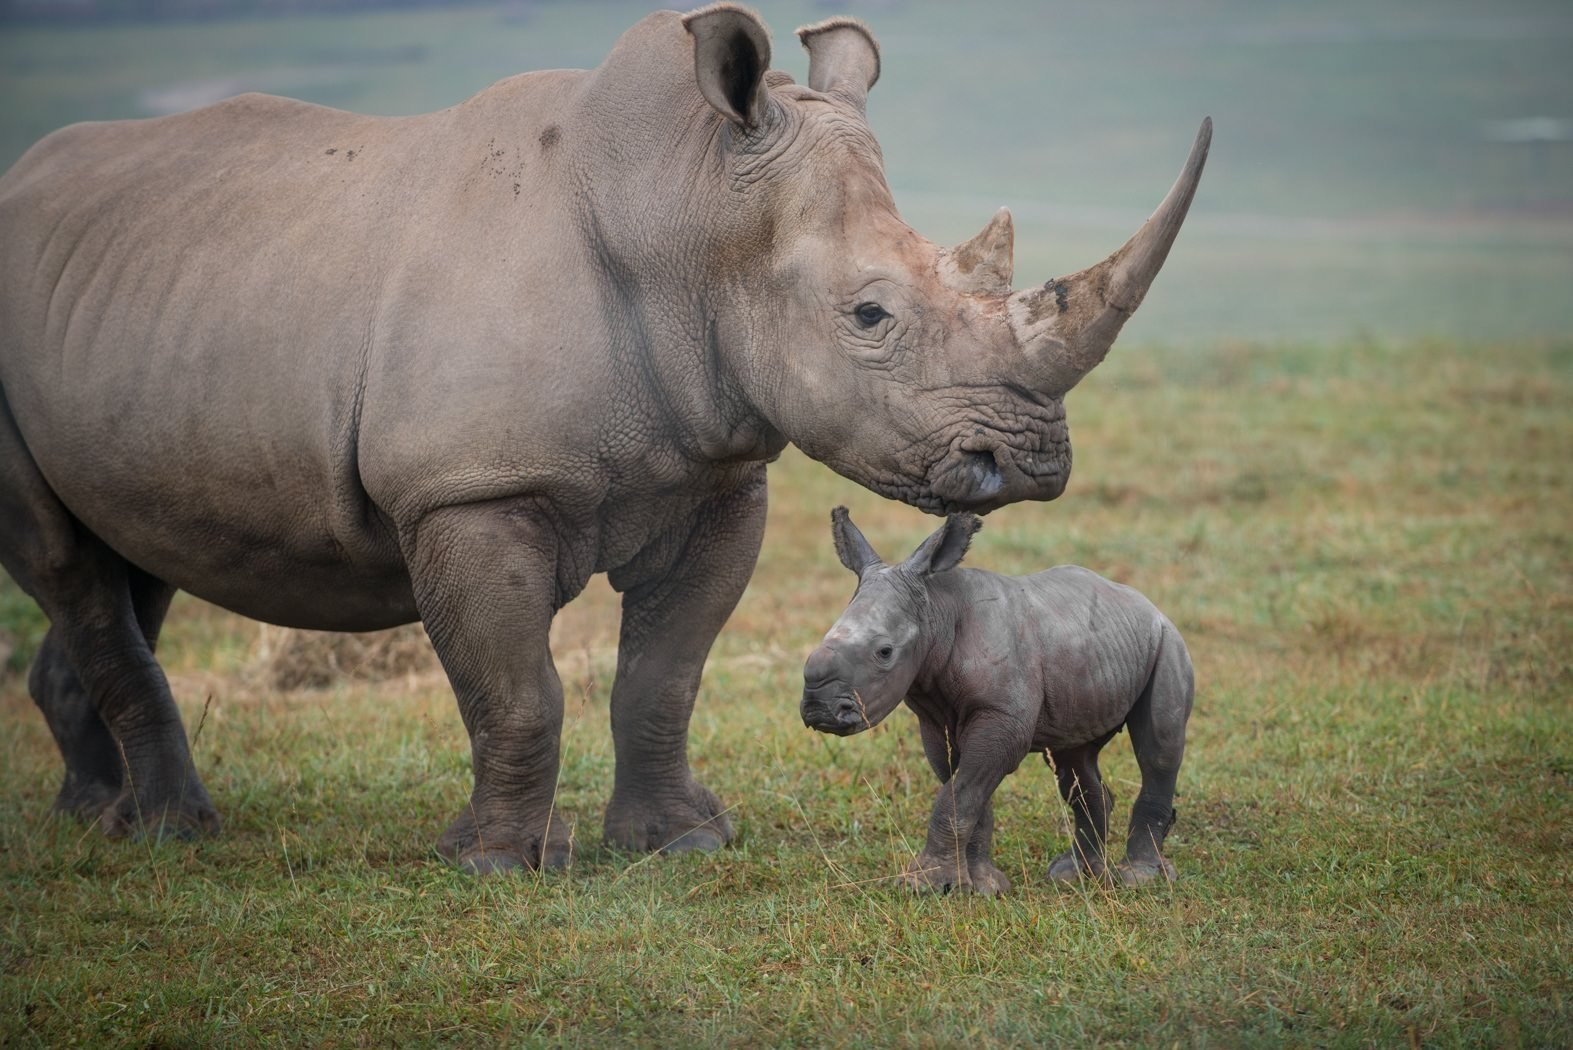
{"x": 870, "y": 314}
{"x": 885, "y": 652}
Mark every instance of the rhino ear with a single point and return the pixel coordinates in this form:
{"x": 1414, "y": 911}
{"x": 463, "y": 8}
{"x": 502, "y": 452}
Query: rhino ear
{"x": 945, "y": 549}
{"x": 853, "y": 550}
{"x": 731, "y": 55}
{"x": 843, "y": 58}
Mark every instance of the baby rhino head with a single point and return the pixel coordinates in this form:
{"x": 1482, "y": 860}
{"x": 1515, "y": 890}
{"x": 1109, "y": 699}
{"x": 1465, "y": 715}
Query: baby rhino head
{"x": 868, "y": 661}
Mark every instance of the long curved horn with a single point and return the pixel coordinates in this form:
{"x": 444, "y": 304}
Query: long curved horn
{"x": 1066, "y": 327}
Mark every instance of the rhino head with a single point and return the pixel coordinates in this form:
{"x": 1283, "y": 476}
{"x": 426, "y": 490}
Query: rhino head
{"x": 911, "y": 369}
{"x": 874, "y": 652}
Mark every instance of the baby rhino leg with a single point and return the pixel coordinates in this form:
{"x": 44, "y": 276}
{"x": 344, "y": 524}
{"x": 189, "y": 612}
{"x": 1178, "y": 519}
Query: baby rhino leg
{"x": 940, "y": 751}
{"x": 1157, "y": 728}
{"x": 986, "y": 878}
{"x": 961, "y": 827}
{"x": 1081, "y": 784}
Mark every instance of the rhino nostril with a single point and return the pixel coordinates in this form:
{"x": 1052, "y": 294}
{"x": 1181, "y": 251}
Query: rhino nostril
{"x": 984, "y": 472}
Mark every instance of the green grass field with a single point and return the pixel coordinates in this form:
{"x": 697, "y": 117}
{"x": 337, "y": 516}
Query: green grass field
{"x": 1333, "y": 447}
{"x": 1367, "y": 549}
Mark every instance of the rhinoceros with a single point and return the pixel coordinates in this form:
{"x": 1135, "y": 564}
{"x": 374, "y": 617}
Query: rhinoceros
{"x": 345, "y": 372}
{"x": 996, "y": 667}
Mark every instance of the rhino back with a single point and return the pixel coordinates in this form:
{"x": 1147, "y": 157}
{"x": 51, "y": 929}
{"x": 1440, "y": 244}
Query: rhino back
{"x": 1069, "y": 651}
{"x": 199, "y": 313}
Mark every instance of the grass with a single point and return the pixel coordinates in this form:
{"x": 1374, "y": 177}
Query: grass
{"x": 1361, "y": 529}
{"x": 1366, "y": 546}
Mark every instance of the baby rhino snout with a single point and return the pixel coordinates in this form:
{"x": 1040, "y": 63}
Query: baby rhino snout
{"x": 829, "y": 703}
{"x": 821, "y": 667}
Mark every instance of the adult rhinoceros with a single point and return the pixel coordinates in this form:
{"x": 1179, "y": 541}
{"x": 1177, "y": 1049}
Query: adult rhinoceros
{"x": 344, "y": 372}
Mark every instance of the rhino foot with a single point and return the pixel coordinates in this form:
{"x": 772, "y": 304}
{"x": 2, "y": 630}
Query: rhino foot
{"x": 85, "y": 799}
{"x": 476, "y": 853}
{"x": 1071, "y": 866}
{"x": 1131, "y": 872}
{"x": 930, "y": 874}
{"x": 987, "y": 879}
{"x": 694, "y": 821}
{"x": 182, "y": 815}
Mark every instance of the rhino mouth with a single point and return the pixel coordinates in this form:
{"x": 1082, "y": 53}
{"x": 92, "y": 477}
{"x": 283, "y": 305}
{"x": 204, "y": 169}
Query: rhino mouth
{"x": 842, "y": 714}
{"x": 981, "y": 480}
{"x": 1016, "y": 448}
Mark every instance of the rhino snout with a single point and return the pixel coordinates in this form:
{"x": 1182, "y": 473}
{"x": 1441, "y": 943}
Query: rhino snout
{"x": 836, "y": 712}
{"x": 823, "y": 667}
{"x": 982, "y": 480}
{"x": 830, "y": 704}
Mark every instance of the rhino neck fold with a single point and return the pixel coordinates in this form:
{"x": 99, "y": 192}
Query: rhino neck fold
{"x": 725, "y": 425}
{"x": 941, "y": 618}
{"x": 700, "y": 407}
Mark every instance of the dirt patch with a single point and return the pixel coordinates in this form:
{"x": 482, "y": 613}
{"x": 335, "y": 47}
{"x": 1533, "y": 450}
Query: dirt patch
{"x": 284, "y": 660}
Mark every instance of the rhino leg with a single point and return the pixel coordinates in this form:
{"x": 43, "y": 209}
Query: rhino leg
{"x": 954, "y": 849}
{"x": 94, "y": 774}
{"x": 103, "y": 695}
{"x": 93, "y": 768}
{"x": 1157, "y": 728}
{"x": 487, "y": 582}
{"x": 674, "y": 605}
{"x": 984, "y": 876}
{"x": 1081, "y": 785}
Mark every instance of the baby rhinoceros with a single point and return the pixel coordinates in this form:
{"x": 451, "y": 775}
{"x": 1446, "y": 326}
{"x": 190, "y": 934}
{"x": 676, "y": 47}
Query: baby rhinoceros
{"x": 996, "y": 667}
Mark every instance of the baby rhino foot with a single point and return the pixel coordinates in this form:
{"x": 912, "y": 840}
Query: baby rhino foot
{"x": 987, "y": 879}
{"x": 930, "y": 874}
{"x": 1132, "y": 872}
{"x": 1072, "y": 866}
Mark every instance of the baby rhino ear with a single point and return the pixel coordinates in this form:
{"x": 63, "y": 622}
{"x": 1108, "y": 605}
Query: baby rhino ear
{"x": 945, "y": 549}
{"x": 853, "y": 550}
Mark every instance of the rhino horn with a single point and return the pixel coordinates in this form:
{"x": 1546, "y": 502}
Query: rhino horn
{"x": 983, "y": 265}
{"x": 1066, "y": 326}
{"x": 843, "y": 58}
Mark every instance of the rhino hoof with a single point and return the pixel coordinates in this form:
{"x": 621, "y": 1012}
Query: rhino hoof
{"x": 1140, "y": 872}
{"x": 928, "y": 874}
{"x": 124, "y": 818}
{"x": 696, "y": 823}
{"x": 472, "y": 852}
{"x": 987, "y": 880}
{"x": 706, "y": 839}
{"x": 1070, "y": 867}
{"x": 85, "y": 800}
{"x": 502, "y": 861}
{"x": 491, "y": 862}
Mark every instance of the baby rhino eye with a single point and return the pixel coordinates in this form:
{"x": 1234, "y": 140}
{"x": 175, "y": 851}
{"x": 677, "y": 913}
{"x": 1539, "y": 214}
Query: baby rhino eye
{"x": 885, "y": 652}
{"x": 870, "y": 314}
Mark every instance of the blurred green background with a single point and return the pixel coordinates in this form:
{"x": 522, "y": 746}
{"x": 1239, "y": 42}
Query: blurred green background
{"x": 1395, "y": 170}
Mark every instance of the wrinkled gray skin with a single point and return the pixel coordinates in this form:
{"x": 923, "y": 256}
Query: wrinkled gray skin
{"x": 345, "y": 372}
{"x": 996, "y": 667}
